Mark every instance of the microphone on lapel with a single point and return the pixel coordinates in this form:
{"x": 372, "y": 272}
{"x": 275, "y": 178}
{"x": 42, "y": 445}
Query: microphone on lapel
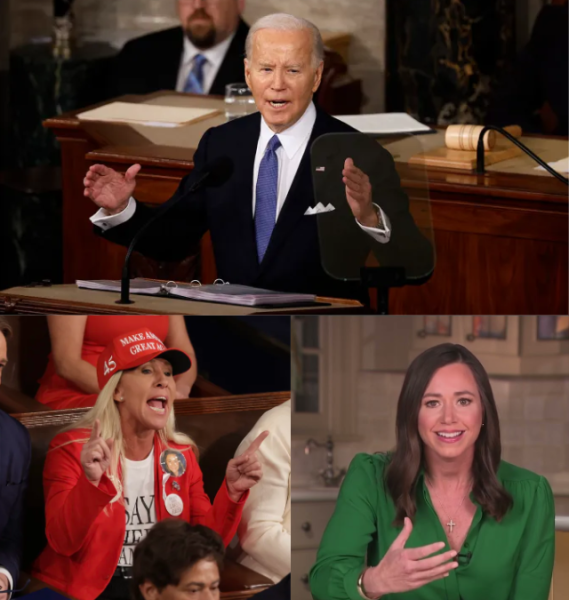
{"x": 214, "y": 174}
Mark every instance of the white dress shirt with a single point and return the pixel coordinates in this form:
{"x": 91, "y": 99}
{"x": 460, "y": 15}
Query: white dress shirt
{"x": 214, "y": 58}
{"x": 294, "y": 141}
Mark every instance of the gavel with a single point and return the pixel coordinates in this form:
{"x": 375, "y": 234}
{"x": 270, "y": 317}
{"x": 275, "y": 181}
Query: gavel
{"x": 465, "y": 137}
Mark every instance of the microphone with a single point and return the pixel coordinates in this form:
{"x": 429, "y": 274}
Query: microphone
{"x": 214, "y": 174}
{"x": 480, "y": 152}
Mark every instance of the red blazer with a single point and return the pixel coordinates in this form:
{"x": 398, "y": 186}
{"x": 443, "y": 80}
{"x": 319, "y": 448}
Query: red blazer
{"x": 85, "y": 532}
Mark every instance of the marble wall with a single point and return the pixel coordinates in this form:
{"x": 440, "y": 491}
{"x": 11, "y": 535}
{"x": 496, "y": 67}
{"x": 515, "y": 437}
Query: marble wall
{"x": 444, "y": 57}
{"x": 534, "y": 420}
{"x": 120, "y": 20}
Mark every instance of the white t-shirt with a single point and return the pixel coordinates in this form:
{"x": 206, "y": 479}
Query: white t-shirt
{"x": 139, "y": 503}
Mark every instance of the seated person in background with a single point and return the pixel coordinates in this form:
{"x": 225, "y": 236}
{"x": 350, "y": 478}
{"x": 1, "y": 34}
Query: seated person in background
{"x": 202, "y": 56}
{"x": 70, "y": 379}
{"x": 105, "y": 481}
{"x": 177, "y": 560}
{"x": 264, "y": 531}
{"x": 15, "y": 454}
{"x": 261, "y": 232}
{"x": 534, "y": 95}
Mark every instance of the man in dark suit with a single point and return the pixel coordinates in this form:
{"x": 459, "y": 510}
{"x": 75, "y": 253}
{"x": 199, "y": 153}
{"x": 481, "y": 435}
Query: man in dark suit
{"x": 201, "y": 56}
{"x": 15, "y": 453}
{"x": 263, "y": 227}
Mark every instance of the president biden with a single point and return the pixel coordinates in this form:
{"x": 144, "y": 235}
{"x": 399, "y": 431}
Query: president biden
{"x": 261, "y": 231}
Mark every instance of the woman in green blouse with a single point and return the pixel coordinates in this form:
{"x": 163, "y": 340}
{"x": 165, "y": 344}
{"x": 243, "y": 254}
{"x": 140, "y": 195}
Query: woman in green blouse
{"x": 442, "y": 517}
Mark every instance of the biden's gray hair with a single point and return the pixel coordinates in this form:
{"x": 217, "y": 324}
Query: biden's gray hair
{"x": 285, "y": 22}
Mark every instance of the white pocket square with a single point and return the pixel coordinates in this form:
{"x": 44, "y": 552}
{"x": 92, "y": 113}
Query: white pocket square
{"x": 319, "y": 209}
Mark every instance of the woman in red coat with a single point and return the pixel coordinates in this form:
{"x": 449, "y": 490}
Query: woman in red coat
{"x": 110, "y": 478}
{"x": 70, "y": 379}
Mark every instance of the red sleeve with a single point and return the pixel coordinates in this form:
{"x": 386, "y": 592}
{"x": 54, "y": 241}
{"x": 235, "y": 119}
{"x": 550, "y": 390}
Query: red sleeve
{"x": 223, "y": 516}
{"x": 72, "y": 503}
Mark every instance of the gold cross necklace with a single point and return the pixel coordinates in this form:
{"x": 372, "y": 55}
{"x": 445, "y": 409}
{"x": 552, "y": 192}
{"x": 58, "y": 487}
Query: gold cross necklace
{"x": 451, "y": 524}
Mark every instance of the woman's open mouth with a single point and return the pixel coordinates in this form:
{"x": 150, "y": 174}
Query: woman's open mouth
{"x": 449, "y": 437}
{"x": 158, "y": 404}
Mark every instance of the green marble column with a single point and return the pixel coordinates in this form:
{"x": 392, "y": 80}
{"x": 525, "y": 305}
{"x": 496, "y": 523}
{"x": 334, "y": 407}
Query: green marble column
{"x": 42, "y": 87}
{"x": 445, "y": 56}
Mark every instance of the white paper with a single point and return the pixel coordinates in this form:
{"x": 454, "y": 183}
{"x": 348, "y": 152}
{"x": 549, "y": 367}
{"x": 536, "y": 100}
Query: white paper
{"x": 384, "y": 123}
{"x": 561, "y": 166}
{"x": 147, "y": 114}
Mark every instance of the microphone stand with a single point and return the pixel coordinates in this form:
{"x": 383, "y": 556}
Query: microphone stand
{"x": 125, "y": 279}
{"x": 480, "y": 153}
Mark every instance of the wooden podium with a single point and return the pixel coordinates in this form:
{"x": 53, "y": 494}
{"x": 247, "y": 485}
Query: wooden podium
{"x": 67, "y": 299}
{"x": 501, "y": 239}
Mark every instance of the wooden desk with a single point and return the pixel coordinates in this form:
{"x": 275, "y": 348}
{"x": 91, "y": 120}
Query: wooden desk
{"x": 501, "y": 239}
{"x": 67, "y": 299}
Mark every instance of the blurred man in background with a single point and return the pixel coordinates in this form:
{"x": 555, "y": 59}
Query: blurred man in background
{"x": 201, "y": 56}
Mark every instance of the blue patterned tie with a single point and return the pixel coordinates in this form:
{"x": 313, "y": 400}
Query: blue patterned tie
{"x": 194, "y": 82}
{"x": 266, "y": 197}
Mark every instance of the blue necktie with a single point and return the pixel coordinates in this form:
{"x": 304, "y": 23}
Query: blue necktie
{"x": 194, "y": 82}
{"x": 266, "y": 196}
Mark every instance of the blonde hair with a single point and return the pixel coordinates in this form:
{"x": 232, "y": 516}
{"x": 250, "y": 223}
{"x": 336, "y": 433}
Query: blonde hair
{"x": 107, "y": 412}
{"x": 286, "y": 22}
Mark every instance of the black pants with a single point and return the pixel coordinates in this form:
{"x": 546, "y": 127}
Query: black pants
{"x": 118, "y": 589}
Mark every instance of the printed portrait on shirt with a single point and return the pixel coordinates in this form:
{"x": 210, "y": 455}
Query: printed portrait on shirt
{"x": 173, "y": 462}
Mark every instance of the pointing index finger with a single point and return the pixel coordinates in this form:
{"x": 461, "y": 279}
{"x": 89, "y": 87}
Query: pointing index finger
{"x": 256, "y": 443}
{"x": 96, "y": 431}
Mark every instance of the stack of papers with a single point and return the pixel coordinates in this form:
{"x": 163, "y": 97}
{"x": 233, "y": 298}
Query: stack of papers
{"x": 148, "y": 114}
{"x": 385, "y": 123}
{"x": 224, "y": 293}
{"x": 561, "y": 166}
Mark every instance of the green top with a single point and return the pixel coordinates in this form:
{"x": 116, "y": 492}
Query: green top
{"x": 510, "y": 560}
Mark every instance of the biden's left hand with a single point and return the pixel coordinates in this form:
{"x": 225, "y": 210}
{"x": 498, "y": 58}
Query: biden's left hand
{"x": 245, "y": 471}
{"x": 358, "y": 194}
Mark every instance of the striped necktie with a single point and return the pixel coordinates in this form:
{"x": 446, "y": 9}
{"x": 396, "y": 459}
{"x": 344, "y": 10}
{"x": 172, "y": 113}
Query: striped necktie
{"x": 194, "y": 82}
{"x": 266, "y": 197}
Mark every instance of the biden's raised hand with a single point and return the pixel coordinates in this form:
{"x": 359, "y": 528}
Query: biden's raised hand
{"x": 359, "y": 194}
{"x": 109, "y": 189}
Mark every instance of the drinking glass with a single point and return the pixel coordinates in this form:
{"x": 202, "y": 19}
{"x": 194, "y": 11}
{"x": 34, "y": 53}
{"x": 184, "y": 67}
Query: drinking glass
{"x": 239, "y": 101}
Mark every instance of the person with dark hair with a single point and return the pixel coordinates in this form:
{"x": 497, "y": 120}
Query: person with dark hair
{"x": 15, "y": 455}
{"x": 442, "y": 516}
{"x": 177, "y": 558}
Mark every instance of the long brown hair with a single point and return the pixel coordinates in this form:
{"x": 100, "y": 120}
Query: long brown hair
{"x": 5, "y": 328}
{"x": 408, "y": 458}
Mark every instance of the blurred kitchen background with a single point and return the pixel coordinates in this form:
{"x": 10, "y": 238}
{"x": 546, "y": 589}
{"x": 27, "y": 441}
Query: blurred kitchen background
{"x": 347, "y": 374}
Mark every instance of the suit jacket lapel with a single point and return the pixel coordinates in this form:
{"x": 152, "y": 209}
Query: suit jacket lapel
{"x": 299, "y": 198}
{"x": 167, "y": 75}
{"x": 244, "y": 160}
